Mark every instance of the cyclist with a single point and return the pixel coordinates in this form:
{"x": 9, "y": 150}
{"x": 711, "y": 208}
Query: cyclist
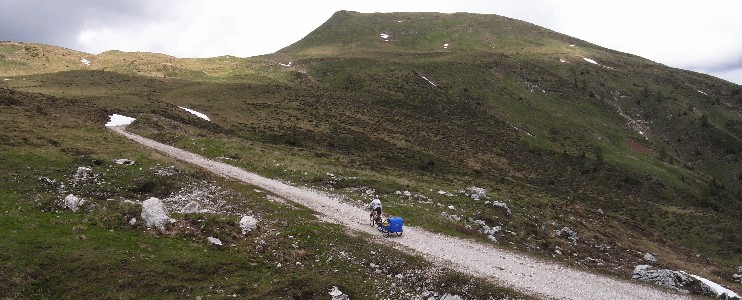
{"x": 375, "y": 207}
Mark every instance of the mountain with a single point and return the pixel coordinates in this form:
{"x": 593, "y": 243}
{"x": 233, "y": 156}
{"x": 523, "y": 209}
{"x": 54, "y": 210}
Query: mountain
{"x": 634, "y": 156}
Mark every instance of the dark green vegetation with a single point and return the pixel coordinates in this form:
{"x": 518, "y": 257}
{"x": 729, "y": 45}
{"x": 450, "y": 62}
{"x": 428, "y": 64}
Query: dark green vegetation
{"x": 635, "y": 156}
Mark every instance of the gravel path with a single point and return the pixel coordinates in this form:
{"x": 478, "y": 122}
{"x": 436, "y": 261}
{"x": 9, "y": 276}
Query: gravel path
{"x": 529, "y": 275}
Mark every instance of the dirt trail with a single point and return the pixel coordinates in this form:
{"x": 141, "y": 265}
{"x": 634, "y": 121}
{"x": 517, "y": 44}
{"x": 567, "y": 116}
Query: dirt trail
{"x": 529, "y": 275}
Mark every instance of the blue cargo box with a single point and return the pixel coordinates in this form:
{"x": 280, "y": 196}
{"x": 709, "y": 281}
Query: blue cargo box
{"x": 395, "y": 224}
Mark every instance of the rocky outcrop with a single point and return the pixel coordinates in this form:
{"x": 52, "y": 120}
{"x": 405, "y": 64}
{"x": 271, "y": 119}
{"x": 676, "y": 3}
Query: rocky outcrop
{"x": 664, "y": 277}
{"x": 154, "y": 214}
{"x": 682, "y": 281}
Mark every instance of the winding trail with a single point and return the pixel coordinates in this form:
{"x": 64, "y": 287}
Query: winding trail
{"x": 529, "y": 275}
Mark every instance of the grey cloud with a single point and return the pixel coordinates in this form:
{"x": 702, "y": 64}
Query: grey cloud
{"x": 59, "y": 22}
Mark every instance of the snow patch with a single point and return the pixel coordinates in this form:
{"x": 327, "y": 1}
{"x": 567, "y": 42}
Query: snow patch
{"x": 562, "y": 60}
{"x": 716, "y": 288}
{"x": 384, "y": 36}
{"x": 590, "y": 61}
{"x": 198, "y": 114}
{"x": 702, "y": 92}
{"x": 572, "y": 45}
{"x": 426, "y": 78}
{"x": 85, "y": 62}
{"x": 119, "y": 120}
{"x": 285, "y": 65}
{"x": 445, "y": 46}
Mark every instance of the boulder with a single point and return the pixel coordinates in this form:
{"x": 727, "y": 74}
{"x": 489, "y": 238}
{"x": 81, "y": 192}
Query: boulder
{"x": 190, "y": 208}
{"x": 214, "y": 241}
{"x": 248, "y": 223}
{"x": 124, "y": 161}
{"x": 73, "y": 202}
{"x": 648, "y": 257}
{"x": 568, "y": 234}
{"x": 337, "y": 294}
{"x": 448, "y": 296}
{"x": 154, "y": 214}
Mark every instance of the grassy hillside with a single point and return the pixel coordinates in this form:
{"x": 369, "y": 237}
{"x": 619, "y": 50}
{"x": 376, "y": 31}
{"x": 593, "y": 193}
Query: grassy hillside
{"x": 634, "y": 156}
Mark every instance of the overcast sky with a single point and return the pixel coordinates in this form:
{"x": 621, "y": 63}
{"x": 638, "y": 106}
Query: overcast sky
{"x": 704, "y": 36}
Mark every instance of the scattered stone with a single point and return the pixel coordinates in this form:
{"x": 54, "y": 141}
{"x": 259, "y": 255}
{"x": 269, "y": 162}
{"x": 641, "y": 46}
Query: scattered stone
{"x": 154, "y": 214}
{"x": 248, "y": 223}
{"x": 476, "y": 193}
{"x": 73, "y": 202}
{"x": 124, "y": 161}
{"x": 452, "y": 218}
{"x": 214, "y": 241}
{"x": 738, "y": 277}
{"x": 337, "y": 294}
{"x": 448, "y": 296}
{"x": 133, "y": 221}
{"x": 83, "y": 173}
{"x": 190, "y": 208}
{"x": 650, "y": 258}
{"x": 451, "y": 207}
{"x": 568, "y": 234}
{"x": 503, "y": 206}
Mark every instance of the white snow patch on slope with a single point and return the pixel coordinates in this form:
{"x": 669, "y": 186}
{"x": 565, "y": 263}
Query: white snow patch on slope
{"x": 84, "y": 61}
{"x": 119, "y": 120}
{"x": 716, "y": 288}
{"x": 384, "y": 36}
{"x": 590, "y": 61}
{"x": 426, "y": 78}
{"x": 198, "y": 114}
{"x": 445, "y": 46}
{"x": 285, "y": 65}
{"x": 702, "y": 92}
{"x": 562, "y": 60}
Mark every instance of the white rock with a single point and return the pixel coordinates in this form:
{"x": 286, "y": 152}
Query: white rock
{"x": 83, "y": 173}
{"x": 448, "y": 296}
{"x": 154, "y": 214}
{"x": 650, "y": 258}
{"x": 477, "y": 193}
{"x": 133, "y": 221}
{"x": 73, "y": 202}
{"x": 190, "y": 208}
{"x": 124, "y": 161}
{"x": 214, "y": 241}
{"x": 248, "y": 223}
{"x": 337, "y": 294}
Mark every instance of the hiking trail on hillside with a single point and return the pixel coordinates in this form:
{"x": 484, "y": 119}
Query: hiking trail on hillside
{"x": 529, "y": 275}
